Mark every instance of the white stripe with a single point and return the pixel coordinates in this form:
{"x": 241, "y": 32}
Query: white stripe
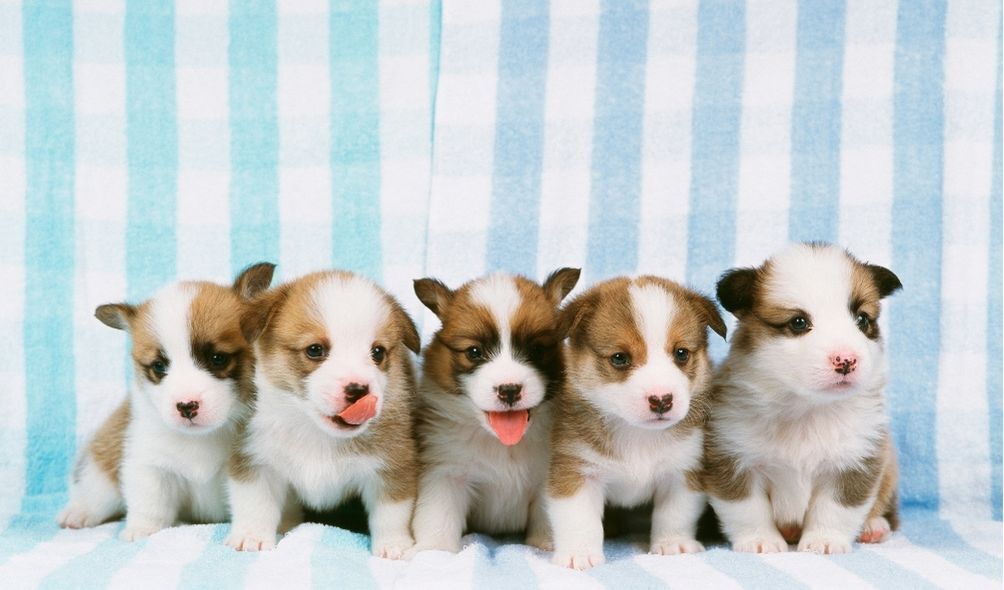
{"x": 928, "y": 564}
{"x": 686, "y": 571}
{"x": 12, "y": 209}
{"x": 765, "y": 159}
{"x": 568, "y": 133}
{"x": 28, "y": 569}
{"x": 665, "y": 174}
{"x": 203, "y": 201}
{"x": 288, "y": 565}
{"x": 962, "y": 427}
{"x": 984, "y": 535}
{"x": 433, "y": 570}
{"x": 161, "y": 561}
{"x": 815, "y": 570}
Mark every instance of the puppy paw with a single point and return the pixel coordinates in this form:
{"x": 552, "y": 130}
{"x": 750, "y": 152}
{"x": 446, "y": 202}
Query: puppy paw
{"x": 393, "y": 548}
{"x": 133, "y": 532}
{"x": 876, "y": 530}
{"x": 75, "y": 516}
{"x": 540, "y": 541}
{"x": 771, "y": 543}
{"x": 824, "y": 544}
{"x": 675, "y": 546}
{"x": 250, "y": 542}
{"x": 578, "y": 560}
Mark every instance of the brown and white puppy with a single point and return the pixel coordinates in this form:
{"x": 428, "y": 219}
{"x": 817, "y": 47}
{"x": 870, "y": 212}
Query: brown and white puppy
{"x": 490, "y": 372}
{"x": 162, "y": 455}
{"x": 628, "y": 426}
{"x": 333, "y": 415}
{"x": 798, "y": 438}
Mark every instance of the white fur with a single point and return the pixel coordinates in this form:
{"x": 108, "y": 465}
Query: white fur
{"x": 297, "y": 449}
{"x": 783, "y": 420}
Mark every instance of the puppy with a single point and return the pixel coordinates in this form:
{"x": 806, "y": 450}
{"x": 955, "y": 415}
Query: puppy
{"x": 798, "y": 438}
{"x": 628, "y": 426}
{"x": 161, "y": 456}
{"x": 489, "y": 374}
{"x": 333, "y": 416}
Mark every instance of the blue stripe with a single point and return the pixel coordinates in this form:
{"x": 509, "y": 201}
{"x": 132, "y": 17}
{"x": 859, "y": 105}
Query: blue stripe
{"x": 617, "y": 135}
{"x": 24, "y": 531}
{"x": 939, "y": 536}
{"x": 49, "y": 248}
{"x": 355, "y": 137}
{"x": 715, "y": 145}
{"x": 879, "y": 571}
{"x": 219, "y": 566}
{"x": 918, "y": 159}
{"x": 341, "y": 558}
{"x": 95, "y": 568}
{"x": 501, "y": 566}
{"x": 519, "y": 137}
{"x": 750, "y": 570}
{"x": 995, "y": 387}
{"x": 815, "y": 121}
{"x": 621, "y": 570}
{"x": 435, "y": 46}
{"x": 152, "y": 153}
{"x": 254, "y": 134}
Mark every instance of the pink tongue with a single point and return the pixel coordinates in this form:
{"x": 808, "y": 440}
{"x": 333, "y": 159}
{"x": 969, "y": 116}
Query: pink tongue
{"x": 509, "y": 426}
{"x": 362, "y": 410}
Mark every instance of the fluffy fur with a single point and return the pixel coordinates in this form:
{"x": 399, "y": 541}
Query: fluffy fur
{"x": 798, "y": 438}
{"x": 328, "y": 341}
{"x": 628, "y": 429}
{"x": 499, "y": 350}
{"x": 161, "y": 456}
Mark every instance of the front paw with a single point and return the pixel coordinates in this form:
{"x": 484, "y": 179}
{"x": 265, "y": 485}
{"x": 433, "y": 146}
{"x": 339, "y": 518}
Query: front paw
{"x": 768, "y": 543}
{"x": 876, "y": 530}
{"x": 251, "y": 542}
{"x": 393, "y": 548}
{"x": 824, "y": 543}
{"x": 134, "y": 532}
{"x": 75, "y": 516}
{"x": 579, "y": 559}
{"x": 540, "y": 541}
{"x": 675, "y": 546}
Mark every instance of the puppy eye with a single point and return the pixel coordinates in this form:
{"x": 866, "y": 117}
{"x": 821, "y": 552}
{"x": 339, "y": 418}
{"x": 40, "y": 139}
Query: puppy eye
{"x": 864, "y": 322}
{"x": 219, "y": 360}
{"x": 681, "y": 355}
{"x": 315, "y": 351}
{"x": 798, "y": 324}
{"x": 378, "y": 353}
{"x": 620, "y": 360}
{"x": 159, "y": 368}
{"x": 475, "y": 354}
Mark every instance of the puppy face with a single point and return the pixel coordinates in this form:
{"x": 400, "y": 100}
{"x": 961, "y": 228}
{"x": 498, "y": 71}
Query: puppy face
{"x": 638, "y": 348}
{"x": 332, "y": 340}
{"x": 188, "y": 349}
{"x": 500, "y": 345}
{"x": 809, "y": 320}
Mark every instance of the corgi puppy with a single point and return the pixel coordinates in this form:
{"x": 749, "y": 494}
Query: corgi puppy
{"x": 333, "y": 413}
{"x": 489, "y": 374}
{"x": 628, "y": 425}
{"x": 161, "y": 456}
{"x": 797, "y": 445}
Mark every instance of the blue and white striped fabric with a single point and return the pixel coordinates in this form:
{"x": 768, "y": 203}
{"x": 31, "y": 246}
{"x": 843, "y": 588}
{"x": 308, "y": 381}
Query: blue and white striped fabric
{"x": 143, "y": 141}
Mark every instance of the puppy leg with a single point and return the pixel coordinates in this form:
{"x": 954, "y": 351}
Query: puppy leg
{"x": 577, "y": 526}
{"x": 674, "y": 518}
{"x": 389, "y": 521}
{"x": 749, "y": 523}
{"x": 789, "y": 498}
{"x": 538, "y": 529}
{"x": 94, "y": 497}
{"x": 440, "y": 512}
{"x": 830, "y": 527}
{"x": 152, "y": 497}
{"x": 256, "y": 506}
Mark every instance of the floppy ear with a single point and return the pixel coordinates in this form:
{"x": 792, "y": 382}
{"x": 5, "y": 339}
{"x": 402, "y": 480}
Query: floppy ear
{"x": 709, "y": 313}
{"x": 259, "y": 311}
{"x": 560, "y": 283}
{"x": 115, "y": 315}
{"x": 735, "y": 290}
{"x": 254, "y": 279}
{"x": 886, "y": 281}
{"x": 576, "y": 311}
{"x": 409, "y": 333}
{"x": 433, "y": 294}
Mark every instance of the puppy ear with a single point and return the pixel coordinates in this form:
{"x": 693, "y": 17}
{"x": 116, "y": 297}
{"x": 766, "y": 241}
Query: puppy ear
{"x": 409, "y": 333}
{"x": 433, "y": 294}
{"x": 886, "y": 281}
{"x": 560, "y": 283}
{"x": 708, "y": 311}
{"x": 115, "y": 315}
{"x": 254, "y": 279}
{"x": 575, "y": 312}
{"x": 735, "y": 290}
{"x": 259, "y": 311}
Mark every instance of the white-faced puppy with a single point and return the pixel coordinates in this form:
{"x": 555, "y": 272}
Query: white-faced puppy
{"x": 798, "y": 446}
{"x": 485, "y": 422}
{"x": 162, "y": 455}
{"x": 628, "y": 425}
{"x": 333, "y": 415}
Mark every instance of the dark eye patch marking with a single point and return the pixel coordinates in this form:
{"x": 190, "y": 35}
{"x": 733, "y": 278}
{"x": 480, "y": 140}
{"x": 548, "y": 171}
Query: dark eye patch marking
{"x": 218, "y": 361}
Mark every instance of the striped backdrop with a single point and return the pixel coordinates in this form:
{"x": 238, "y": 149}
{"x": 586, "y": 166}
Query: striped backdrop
{"x": 143, "y": 141}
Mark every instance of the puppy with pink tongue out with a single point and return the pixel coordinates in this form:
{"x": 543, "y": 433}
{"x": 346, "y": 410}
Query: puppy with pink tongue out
{"x": 485, "y": 417}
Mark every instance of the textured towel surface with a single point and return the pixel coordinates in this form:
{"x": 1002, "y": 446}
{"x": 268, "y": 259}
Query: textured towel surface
{"x": 144, "y": 141}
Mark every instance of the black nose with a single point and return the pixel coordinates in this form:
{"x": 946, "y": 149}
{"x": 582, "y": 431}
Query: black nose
{"x": 660, "y": 405}
{"x": 354, "y": 391}
{"x": 846, "y": 367}
{"x": 509, "y": 393}
{"x": 188, "y": 410}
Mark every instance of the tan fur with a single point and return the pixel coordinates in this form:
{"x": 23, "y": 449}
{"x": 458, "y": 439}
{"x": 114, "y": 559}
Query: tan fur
{"x": 107, "y": 445}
